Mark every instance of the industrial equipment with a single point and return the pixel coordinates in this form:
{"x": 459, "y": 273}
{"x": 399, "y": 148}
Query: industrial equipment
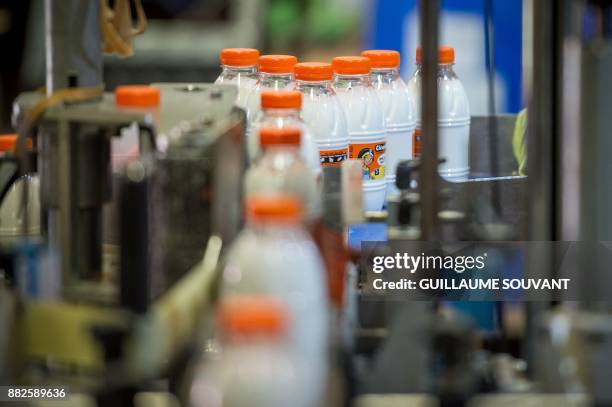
{"x": 115, "y": 298}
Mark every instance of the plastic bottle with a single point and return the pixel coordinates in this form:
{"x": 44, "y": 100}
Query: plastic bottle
{"x": 397, "y": 107}
{"x": 275, "y": 73}
{"x": 281, "y": 169}
{"x": 12, "y": 215}
{"x": 239, "y": 67}
{"x": 256, "y": 367}
{"x": 322, "y": 112}
{"x": 366, "y": 124}
{"x": 453, "y": 116}
{"x": 282, "y": 109}
{"x": 275, "y": 256}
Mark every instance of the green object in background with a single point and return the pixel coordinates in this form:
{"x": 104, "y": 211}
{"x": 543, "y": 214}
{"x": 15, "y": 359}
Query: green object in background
{"x": 319, "y": 21}
{"x": 519, "y": 142}
{"x": 283, "y": 22}
{"x": 327, "y": 21}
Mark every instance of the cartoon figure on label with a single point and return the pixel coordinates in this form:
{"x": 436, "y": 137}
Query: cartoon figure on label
{"x": 367, "y": 158}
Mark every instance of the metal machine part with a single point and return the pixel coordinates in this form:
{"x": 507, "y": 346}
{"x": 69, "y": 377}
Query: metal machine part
{"x": 576, "y": 347}
{"x": 428, "y": 185}
{"x": 72, "y": 44}
{"x": 569, "y": 150}
{"x": 199, "y": 172}
{"x": 74, "y": 166}
{"x": 198, "y": 182}
{"x": 473, "y": 198}
{"x": 187, "y": 193}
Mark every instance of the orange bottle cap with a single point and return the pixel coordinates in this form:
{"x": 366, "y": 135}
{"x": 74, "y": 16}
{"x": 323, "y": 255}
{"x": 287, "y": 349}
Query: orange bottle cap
{"x": 313, "y": 71}
{"x": 351, "y": 65}
{"x": 137, "y": 96}
{"x": 239, "y": 56}
{"x": 8, "y": 142}
{"x": 277, "y": 63}
{"x": 273, "y": 136}
{"x": 278, "y": 208}
{"x": 282, "y": 99}
{"x": 382, "y": 58}
{"x": 446, "y": 55}
{"x": 241, "y": 317}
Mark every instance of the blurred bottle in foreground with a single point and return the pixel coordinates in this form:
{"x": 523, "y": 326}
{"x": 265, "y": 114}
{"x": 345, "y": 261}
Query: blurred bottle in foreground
{"x": 275, "y": 256}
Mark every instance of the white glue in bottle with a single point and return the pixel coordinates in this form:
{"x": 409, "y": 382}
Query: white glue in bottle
{"x": 239, "y": 67}
{"x": 322, "y": 112}
{"x": 453, "y": 117}
{"x": 282, "y": 109}
{"x": 275, "y": 73}
{"x": 397, "y": 106}
{"x": 366, "y": 125}
{"x": 275, "y": 256}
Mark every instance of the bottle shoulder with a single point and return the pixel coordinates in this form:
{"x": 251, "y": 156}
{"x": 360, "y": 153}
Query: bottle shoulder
{"x": 363, "y": 109}
{"x": 452, "y": 98}
{"x": 397, "y": 104}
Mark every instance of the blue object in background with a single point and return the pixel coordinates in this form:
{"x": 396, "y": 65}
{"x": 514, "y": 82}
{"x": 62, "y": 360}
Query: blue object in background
{"x": 389, "y": 28}
{"x": 366, "y": 232}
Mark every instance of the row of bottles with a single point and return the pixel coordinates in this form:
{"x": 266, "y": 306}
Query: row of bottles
{"x": 274, "y": 311}
{"x": 273, "y": 315}
{"x": 356, "y": 107}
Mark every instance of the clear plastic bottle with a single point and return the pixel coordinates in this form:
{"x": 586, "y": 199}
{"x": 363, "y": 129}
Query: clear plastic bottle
{"x": 366, "y": 124}
{"x": 239, "y": 67}
{"x": 282, "y": 109}
{"x": 281, "y": 169}
{"x": 454, "y": 116}
{"x": 322, "y": 112}
{"x": 275, "y": 73}
{"x": 256, "y": 367}
{"x": 275, "y": 256}
{"x": 397, "y": 107}
{"x": 12, "y": 213}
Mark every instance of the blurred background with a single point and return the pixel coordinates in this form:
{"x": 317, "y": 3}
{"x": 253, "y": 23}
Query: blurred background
{"x": 184, "y": 38}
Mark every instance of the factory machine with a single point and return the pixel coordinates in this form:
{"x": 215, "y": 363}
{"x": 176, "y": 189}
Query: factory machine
{"x": 119, "y": 315}
{"x": 109, "y": 310}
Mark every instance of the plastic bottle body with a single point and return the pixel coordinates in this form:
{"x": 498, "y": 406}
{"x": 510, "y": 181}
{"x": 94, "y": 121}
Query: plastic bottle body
{"x": 266, "y": 81}
{"x": 261, "y": 373}
{"x": 453, "y": 122}
{"x": 322, "y": 112}
{"x": 399, "y": 120}
{"x": 367, "y": 138}
{"x": 282, "y": 261}
{"x": 280, "y": 169}
{"x": 281, "y": 118}
{"x": 12, "y": 215}
{"x": 244, "y": 77}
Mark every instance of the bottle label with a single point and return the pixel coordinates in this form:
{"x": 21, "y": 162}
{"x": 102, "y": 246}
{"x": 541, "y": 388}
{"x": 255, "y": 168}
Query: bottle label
{"x": 372, "y": 156}
{"x": 333, "y": 157}
{"x": 416, "y": 143}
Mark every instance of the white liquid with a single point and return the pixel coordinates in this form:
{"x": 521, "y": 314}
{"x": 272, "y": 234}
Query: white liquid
{"x": 265, "y": 82}
{"x": 244, "y": 79}
{"x": 261, "y": 373}
{"x": 399, "y": 120}
{"x": 453, "y": 122}
{"x": 281, "y": 118}
{"x": 281, "y": 170}
{"x": 366, "y": 126}
{"x": 283, "y": 262}
{"x": 322, "y": 112}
